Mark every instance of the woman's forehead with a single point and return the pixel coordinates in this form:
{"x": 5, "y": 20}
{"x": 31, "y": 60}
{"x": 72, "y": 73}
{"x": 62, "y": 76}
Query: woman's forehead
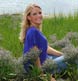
{"x": 35, "y": 9}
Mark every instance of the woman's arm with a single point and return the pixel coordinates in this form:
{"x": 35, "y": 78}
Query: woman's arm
{"x": 38, "y": 64}
{"x": 52, "y": 51}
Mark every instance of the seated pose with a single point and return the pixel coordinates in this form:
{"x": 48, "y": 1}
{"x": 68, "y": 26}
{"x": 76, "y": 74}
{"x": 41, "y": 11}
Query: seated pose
{"x": 32, "y": 37}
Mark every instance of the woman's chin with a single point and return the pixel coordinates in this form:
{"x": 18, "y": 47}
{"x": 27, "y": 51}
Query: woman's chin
{"x": 39, "y": 23}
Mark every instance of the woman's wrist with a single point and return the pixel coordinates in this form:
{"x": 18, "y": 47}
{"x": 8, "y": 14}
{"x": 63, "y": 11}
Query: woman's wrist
{"x": 60, "y": 54}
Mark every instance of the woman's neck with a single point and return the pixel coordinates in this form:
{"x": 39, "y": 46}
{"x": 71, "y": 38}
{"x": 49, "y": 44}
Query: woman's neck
{"x": 36, "y": 26}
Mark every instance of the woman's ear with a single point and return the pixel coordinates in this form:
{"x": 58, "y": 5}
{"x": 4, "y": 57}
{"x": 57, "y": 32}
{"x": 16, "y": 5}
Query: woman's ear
{"x": 29, "y": 18}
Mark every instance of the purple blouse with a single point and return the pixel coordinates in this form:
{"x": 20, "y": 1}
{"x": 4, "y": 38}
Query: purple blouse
{"x": 35, "y": 38}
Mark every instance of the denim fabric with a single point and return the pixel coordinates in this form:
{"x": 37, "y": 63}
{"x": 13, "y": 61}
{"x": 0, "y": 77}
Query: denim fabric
{"x": 61, "y": 65}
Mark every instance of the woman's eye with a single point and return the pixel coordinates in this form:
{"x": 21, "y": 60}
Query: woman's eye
{"x": 34, "y": 13}
{"x": 40, "y": 12}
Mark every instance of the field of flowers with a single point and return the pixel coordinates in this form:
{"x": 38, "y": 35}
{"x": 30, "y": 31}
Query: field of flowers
{"x": 62, "y": 34}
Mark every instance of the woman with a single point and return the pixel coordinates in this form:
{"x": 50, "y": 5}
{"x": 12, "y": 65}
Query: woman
{"x": 32, "y": 37}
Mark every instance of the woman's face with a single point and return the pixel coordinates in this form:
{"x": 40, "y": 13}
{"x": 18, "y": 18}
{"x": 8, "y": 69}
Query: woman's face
{"x": 35, "y": 16}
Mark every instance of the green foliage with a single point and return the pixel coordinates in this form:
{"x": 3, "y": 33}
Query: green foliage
{"x": 72, "y": 72}
{"x": 7, "y": 65}
{"x": 9, "y": 33}
{"x": 34, "y": 73}
{"x": 10, "y": 28}
{"x": 58, "y": 26}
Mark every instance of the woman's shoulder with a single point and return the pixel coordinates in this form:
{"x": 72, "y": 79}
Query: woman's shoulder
{"x": 32, "y": 30}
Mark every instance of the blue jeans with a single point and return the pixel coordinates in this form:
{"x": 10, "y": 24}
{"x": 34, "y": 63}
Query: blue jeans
{"x": 61, "y": 65}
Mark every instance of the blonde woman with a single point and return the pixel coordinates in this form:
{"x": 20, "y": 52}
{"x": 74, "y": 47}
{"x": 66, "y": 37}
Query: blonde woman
{"x": 32, "y": 36}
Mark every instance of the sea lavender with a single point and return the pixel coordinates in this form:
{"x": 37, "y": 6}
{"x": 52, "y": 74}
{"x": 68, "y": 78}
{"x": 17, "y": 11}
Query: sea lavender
{"x": 70, "y": 54}
{"x": 32, "y": 55}
{"x": 19, "y": 69}
{"x": 7, "y": 64}
{"x": 71, "y": 35}
{"x": 66, "y": 40}
{"x": 53, "y": 38}
{"x": 61, "y": 43}
{"x": 77, "y": 57}
{"x": 49, "y": 66}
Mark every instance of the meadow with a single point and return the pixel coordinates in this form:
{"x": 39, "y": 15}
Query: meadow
{"x": 57, "y": 26}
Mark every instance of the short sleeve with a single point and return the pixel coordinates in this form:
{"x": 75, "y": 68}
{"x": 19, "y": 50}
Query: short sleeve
{"x": 30, "y": 40}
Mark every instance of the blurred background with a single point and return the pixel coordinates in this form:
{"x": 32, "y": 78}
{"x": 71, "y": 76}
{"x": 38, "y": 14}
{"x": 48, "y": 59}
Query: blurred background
{"x": 49, "y": 6}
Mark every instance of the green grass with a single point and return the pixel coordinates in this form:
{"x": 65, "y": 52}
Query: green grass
{"x": 10, "y": 28}
{"x": 60, "y": 25}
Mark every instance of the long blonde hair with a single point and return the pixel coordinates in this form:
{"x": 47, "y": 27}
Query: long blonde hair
{"x": 25, "y": 22}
